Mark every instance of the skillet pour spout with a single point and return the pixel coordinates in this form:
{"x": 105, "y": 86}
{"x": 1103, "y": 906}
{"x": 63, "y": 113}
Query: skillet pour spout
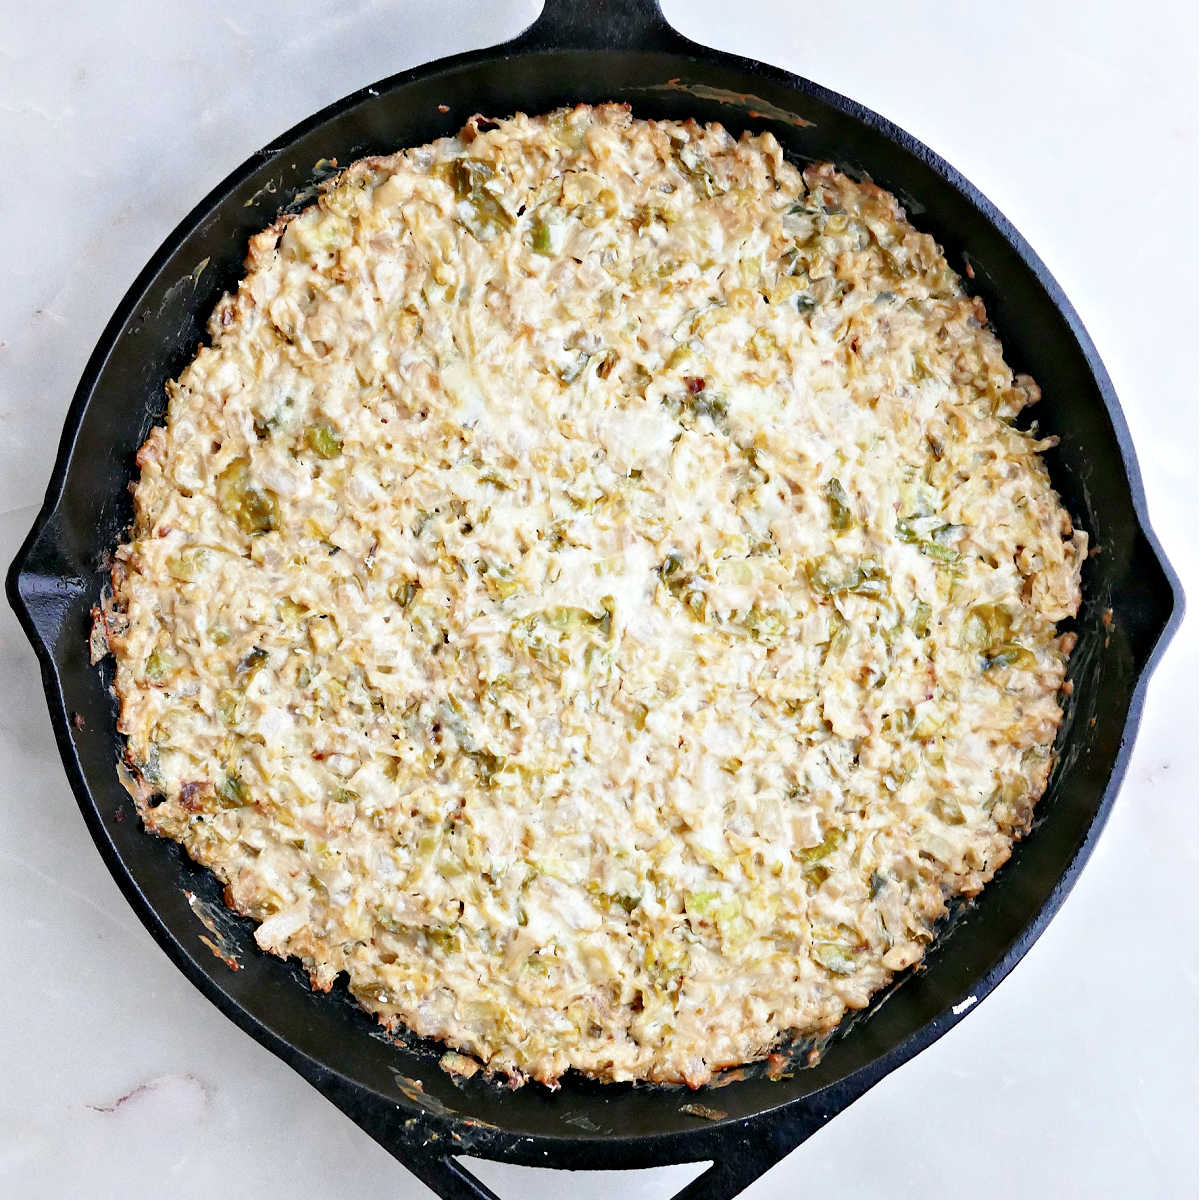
{"x": 616, "y": 50}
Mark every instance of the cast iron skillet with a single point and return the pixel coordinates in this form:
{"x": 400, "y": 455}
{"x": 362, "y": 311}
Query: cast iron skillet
{"x": 617, "y": 50}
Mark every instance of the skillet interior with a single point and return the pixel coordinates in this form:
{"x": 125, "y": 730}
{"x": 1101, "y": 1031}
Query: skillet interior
{"x": 57, "y": 577}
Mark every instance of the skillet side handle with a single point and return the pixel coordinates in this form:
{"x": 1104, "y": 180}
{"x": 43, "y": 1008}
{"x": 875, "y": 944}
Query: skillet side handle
{"x": 44, "y": 585}
{"x": 600, "y": 25}
{"x": 1149, "y": 599}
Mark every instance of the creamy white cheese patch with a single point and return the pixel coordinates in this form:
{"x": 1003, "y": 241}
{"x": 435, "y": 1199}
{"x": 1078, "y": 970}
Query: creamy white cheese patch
{"x": 593, "y": 593}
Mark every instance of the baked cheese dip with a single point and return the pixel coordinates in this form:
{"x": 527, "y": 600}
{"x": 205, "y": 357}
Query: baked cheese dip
{"x": 593, "y": 594}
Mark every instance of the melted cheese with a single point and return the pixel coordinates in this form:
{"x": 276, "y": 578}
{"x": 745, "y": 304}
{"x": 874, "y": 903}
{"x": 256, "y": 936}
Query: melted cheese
{"x": 591, "y": 591}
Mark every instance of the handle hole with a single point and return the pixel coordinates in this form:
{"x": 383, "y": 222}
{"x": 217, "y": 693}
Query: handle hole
{"x": 652, "y": 1183}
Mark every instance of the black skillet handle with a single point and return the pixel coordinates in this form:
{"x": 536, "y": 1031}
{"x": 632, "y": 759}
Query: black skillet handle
{"x": 436, "y": 1154}
{"x": 1149, "y": 599}
{"x": 436, "y": 1151}
{"x": 601, "y": 25}
{"x": 723, "y": 1180}
{"x": 45, "y": 584}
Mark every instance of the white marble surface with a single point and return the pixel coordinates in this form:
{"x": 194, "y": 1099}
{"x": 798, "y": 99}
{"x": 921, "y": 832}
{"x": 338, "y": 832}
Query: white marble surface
{"x": 1078, "y": 1078}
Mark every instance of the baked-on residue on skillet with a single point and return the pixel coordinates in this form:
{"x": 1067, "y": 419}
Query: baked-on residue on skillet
{"x": 592, "y": 591}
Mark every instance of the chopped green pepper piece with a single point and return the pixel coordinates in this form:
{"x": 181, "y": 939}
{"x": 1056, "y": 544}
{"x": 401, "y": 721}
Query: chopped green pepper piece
{"x": 696, "y": 167}
{"x": 696, "y": 603}
{"x": 840, "y": 515}
{"x": 1008, "y": 654}
{"x": 940, "y": 553}
{"x": 920, "y": 618}
{"x": 157, "y": 665}
{"x": 189, "y": 563}
{"x": 403, "y": 591}
{"x": 573, "y": 369}
{"x": 232, "y": 793}
{"x": 671, "y": 570}
{"x": 682, "y": 584}
{"x": 486, "y": 216}
{"x": 568, "y": 618}
{"x": 765, "y": 625}
{"x": 490, "y": 765}
{"x": 250, "y": 665}
{"x": 546, "y": 235}
{"x": 812, "y": 854}
{"x": 921, "y": 368}
{"x": 949, "y": 810}
{"x": 862, "y": 579}
{"x": 229, "y": 707}
{"x": 254, "y": 509}
{"x": 932, "y": 545}
{"x": 835, "y": 957}
{"x": 322, "y": 439}
{"x": 445, "y": 937}
{"x": 467, "y": 175}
